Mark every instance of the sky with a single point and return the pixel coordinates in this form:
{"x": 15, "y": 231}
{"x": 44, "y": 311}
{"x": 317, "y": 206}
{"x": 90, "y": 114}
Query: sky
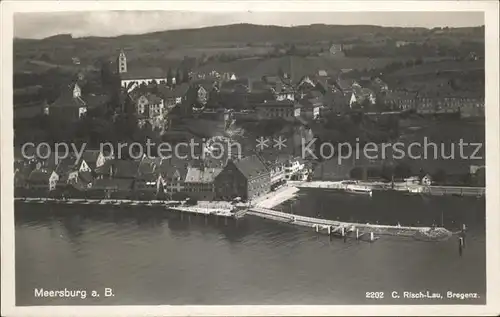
{"x": 114, "y": 23}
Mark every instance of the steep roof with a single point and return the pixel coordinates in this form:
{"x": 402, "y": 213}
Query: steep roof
{"x": 345, "y": 83}
{"x": 66, "y": 100}
{"x": 205, "y": 176}
{"x": 149, "y": 165}
{"x": 85, "y": 177}
{"x": 251, "y": 166}
{"x": 153, "y": 99}
{"x": 174, "y": 168}
{"x": 175, "y": 92}
{"x": 207, "y": 84}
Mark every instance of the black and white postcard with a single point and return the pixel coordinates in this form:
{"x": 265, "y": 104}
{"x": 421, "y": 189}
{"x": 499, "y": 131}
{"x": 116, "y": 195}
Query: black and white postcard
{"x": 250, "y": 158}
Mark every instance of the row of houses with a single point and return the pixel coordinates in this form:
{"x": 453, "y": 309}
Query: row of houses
{"x": 98, "y": 175}
{"x": 466, "y": 104}
{"x": 272, "y": 96}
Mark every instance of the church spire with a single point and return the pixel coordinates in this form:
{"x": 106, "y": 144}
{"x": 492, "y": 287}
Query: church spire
{"x": 122, "y": 62}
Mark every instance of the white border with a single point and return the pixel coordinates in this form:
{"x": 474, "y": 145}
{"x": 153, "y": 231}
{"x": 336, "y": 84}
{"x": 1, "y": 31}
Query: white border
{"x": 490, "y": 8}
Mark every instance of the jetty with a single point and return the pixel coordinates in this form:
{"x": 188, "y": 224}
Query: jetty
{"x": 345, "y": 229}
{"x": 263, "y": 209}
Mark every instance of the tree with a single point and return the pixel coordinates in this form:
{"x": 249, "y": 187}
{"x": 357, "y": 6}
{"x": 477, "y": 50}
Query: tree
{"x": 480, "y": 177}
{"x": 356, "y": 173}
{"x": 178, "y": 77}
{"x": 387, "y": 172}
{"x": 154, "y": 87}
{"x": 440, "y": 176}
{"x": 106, "y": 73}
{"x": 170, "y": 75}
{"x": 402, "y": 170}
{"x": 281, "y": 73}
{"x": 185, "y": 75}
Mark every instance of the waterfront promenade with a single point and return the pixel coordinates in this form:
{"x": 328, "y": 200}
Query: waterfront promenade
{"x": 401, "y": 187}
{"x": 223, "y": 209}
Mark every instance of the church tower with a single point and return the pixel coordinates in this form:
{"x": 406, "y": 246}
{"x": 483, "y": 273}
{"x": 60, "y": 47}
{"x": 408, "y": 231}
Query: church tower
{"x": 122, "y": 63}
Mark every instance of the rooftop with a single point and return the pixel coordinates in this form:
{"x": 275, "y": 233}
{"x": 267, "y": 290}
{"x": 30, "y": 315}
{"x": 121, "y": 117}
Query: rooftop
{"x": 144, "y": 73}
{"x": 66, "y": 100}
{"x": 175, "y": 92}
{"x": 198, "y": 175}
{"x": 251, "y": 166}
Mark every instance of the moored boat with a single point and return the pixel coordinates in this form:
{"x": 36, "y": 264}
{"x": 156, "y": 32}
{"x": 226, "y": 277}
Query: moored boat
{"x": 358, "y": 189}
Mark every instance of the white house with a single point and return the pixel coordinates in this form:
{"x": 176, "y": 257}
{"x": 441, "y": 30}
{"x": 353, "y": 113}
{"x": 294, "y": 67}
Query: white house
{"x": 293, "y": 167}
{"x": 426, "y": 180}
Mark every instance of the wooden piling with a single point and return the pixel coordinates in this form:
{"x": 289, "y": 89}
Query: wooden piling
{"x": 460, "y": 246}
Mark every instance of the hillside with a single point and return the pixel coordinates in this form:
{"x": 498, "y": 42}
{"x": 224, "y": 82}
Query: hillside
{"x": 239, "y": 38}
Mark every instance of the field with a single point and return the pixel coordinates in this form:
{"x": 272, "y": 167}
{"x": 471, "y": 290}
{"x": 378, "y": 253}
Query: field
{"x": 297, "y": 66}
{"x": 442, "y": 66}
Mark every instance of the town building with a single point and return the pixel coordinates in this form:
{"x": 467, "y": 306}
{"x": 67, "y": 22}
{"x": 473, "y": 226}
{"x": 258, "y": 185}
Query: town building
{"x": 345, "y": 85}
{"x": 69, "y": 107}
{"x": 336, "y": 50}
{"x": 400, "y": 100}
{"x": 175, "y": 95}
{"x": 111, "y": 189}
{"x": 283, "y": 92}
{"x": 150, "y": 110}
{"x": 361, "y": 96}
{"x": 311, "y": 107}
{"x": 148, "y": 179}
{"x": 173, "y": 175}
{"x": 276, "y": 166}
{"x": 246, "y": 178}
{"x": 426, "y": 180}
{"x": 200, "y": 182}
{"x": 285, "y": 109}
{"x": 293, "y": 169}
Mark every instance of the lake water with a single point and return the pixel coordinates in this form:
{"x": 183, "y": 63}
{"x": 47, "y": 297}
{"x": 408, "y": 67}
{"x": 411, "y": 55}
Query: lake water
{"x": 154, "y": 257}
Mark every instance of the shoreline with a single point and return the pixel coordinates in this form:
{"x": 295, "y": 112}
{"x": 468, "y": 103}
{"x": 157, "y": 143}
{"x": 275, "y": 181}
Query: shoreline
{"x": 263, "y": 207}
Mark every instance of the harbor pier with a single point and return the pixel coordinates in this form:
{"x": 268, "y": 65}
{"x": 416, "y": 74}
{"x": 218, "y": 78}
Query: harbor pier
{"x": 344, "y": 229}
